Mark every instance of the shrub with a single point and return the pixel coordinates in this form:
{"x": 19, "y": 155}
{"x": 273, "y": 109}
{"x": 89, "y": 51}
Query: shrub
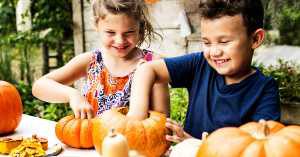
{"x": 179, "y": 103}
{"x": 287, "y": 76}
{"x": 37, "y": 108}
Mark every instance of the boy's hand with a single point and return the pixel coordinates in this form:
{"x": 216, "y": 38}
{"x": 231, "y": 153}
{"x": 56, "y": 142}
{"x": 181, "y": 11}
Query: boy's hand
{"x": 81, "y": 108}
{"x": 178, "y": 133}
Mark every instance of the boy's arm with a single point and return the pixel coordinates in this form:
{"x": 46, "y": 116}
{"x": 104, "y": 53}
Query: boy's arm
{"x": 144, "y": 78}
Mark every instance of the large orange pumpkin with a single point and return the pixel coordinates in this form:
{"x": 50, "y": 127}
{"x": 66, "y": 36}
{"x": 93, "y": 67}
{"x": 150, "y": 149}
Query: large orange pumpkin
{"x": 73, "y": 132}
{"x": 146, "y": 136}
{"x": 11, "y": 108}
{"x": 262, "y": 139}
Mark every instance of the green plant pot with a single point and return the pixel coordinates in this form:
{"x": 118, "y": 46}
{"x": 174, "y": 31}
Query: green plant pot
{"x": 290, "y": 113}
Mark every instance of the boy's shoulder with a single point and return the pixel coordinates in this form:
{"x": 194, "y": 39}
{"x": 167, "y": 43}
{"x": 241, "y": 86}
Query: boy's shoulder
{"x": 262, "y": 76}
{"x": 258, "y": 79}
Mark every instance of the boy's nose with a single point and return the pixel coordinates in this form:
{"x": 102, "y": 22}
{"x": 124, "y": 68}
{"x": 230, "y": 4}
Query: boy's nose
{"x": 213, "y": 51}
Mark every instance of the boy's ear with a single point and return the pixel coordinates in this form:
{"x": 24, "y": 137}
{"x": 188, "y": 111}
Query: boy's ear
{"x": 258, "y": 38}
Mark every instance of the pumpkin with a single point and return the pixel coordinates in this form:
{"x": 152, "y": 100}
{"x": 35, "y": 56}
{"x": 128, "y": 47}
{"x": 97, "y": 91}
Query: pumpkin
{"x": 145, "y": 136}
{"x": 262, "y": 139}
{"x": 74, "y": 132}
{"x": 115, "y": 145}
{"x": 151, "y": 1}
{"x": 11, "y": 108}
{"x": 188, "y": 147}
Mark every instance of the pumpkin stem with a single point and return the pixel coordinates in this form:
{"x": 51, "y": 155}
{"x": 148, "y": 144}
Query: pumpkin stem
{"x": 204, "y": 136}
{"x": 266, "y": 129}
{"x": 112, "y": 133}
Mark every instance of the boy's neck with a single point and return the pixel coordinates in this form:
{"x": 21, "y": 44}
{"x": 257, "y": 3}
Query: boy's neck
{"x": 238, "y": 78}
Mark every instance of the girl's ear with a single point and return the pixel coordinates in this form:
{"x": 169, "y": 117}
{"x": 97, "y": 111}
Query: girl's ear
{"x": 258, "y": 38}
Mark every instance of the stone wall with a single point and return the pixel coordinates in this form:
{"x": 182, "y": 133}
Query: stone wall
{"x": 165, "y": 18}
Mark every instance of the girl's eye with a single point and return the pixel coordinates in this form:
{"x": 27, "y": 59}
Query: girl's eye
{"x": 130, "y": 32}
{"x": 110, "y": 32}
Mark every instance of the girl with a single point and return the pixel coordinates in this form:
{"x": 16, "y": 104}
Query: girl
{"x": 123, "y": 26}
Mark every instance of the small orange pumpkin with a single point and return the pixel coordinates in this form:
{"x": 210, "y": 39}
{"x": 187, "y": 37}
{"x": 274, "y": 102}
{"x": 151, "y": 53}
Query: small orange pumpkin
{"x": 73, "y": 132}
{"x": 151, "y": 1}
{"x": 262, "y": 139}
{"x": 146, "y": 136}
{"x": 11, "y": 108}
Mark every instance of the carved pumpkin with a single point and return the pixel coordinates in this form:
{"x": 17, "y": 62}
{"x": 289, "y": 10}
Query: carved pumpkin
{"x": 73, "y": 132}
{"x": 146, "y": 136}
{"x": 11, "y": 108}
{"x": 263, "y": 139}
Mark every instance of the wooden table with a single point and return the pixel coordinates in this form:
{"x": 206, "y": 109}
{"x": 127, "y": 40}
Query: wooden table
{"x": 45, "y": 128}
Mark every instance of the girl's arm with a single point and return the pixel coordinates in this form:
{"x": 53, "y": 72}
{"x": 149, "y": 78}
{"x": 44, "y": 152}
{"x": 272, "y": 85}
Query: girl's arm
{"x": 143, "y": 81}
{"x": 55, "y": 87}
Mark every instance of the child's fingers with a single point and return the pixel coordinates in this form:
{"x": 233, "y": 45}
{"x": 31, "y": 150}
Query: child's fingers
{"x": 173, "y": 122}
{"x": 173, "y": 138}
{"x": 83, "y": 114}
{"x": 77, "y": 113}
{"x": 90, "y": 114}
{"x": 175, "y": 129}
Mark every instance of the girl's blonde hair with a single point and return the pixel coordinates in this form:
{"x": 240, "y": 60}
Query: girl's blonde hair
{"x": 136, "y": 9}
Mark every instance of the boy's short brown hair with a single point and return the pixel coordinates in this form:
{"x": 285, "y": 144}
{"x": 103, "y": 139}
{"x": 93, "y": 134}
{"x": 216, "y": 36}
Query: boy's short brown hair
{"x": 251, "y": 10}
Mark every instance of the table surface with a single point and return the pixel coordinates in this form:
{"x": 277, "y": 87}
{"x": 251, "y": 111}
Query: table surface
{"x": 45, "y": 128}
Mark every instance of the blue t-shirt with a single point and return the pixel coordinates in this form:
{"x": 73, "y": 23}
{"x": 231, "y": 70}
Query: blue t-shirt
{"x": 213, "y": 104}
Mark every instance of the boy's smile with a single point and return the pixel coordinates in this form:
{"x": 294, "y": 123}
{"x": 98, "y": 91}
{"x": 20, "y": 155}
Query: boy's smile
{"x": 227, "y": 47}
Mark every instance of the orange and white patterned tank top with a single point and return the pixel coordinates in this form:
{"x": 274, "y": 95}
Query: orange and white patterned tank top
{"x": 104, "y": 91}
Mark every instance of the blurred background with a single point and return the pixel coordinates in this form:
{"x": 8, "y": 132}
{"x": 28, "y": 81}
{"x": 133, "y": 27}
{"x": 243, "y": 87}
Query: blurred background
{"x": 37, "y": 36}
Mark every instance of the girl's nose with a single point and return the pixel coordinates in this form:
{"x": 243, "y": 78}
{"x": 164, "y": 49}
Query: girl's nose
{"x": 119, "y": 39}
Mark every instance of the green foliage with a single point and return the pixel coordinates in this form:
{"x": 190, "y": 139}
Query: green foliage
{"x": 285, "y": 17}
{"x": 5, "y": 68}
{"x": 51, "y": 22}
{"x": 179, "y": 103}
{"x": 7, "y": 11}
{"x": 289, "y": 25}
{"x": 54, "y": 14}
{"x": 37, "y": 108}
{"x": 287, "y": 76}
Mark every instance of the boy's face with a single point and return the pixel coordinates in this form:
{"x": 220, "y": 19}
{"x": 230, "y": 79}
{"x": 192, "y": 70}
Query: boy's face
{"x": 119, "y": 34}
{"x": 227, "y": 47}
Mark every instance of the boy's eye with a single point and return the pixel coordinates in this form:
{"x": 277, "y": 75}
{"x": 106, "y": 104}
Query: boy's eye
{"x": 205, "y": 43}
{"x": 224, "y": 42}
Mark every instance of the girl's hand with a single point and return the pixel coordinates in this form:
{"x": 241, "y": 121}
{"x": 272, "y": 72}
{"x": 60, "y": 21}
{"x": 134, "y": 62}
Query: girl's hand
{"x": 81, "y": 108}
{"x": 178, "y": 133}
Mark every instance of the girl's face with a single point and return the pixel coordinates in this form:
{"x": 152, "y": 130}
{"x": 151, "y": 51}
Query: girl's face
{"x": 227, "y": 46}
{"x": 119, "y": 35}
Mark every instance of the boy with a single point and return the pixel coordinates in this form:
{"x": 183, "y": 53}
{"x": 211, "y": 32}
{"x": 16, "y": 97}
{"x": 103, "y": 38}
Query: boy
{"x": 224, "y": 90}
